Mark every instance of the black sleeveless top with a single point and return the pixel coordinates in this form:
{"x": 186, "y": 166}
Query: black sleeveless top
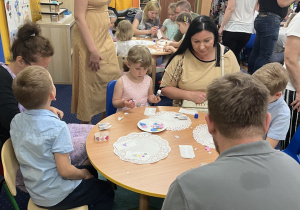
{"x": 273, "y": 7}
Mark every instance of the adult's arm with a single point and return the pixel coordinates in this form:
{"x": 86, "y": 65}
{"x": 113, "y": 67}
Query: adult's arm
{"x": 80, "y": 8}
{"x": 291, "y": 56}
{"x": 136, "y": 31}
{"x": 178, "y": 94}
{"x": 8, "y": 102}
{"x": 170, "y": 89}
{"x": 228, "y": 12}
{"x": 285, "y": 3}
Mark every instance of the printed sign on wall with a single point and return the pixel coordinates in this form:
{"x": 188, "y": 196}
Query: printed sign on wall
{"x": 17, "y": 11}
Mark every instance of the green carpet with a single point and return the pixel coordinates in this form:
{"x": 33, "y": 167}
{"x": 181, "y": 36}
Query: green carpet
{"x": 128, "y": 200}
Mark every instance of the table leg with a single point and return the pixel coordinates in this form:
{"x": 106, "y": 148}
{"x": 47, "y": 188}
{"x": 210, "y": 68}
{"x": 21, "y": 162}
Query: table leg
{"x": 154, "y": 71}
{"x": 144, "y": 202}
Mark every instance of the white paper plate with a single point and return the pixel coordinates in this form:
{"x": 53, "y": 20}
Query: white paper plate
{"x": 141, "y": 148}
{"x": 151, "y": 125}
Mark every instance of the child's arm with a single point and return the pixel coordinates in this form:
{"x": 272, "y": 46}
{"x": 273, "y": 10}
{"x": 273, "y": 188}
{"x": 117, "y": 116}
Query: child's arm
{"x": 170, "y": 49}
{"x": 162, "y": 29}
{"x": 67, "y": 170}
{"x": 57, "y": 112}
{"x": 151, "y": 97}
{"x": 175, "y": 44}
{"x": 117, "y": 97}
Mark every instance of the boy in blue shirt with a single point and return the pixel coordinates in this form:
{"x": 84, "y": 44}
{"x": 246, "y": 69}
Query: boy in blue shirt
{"x": 275, "y": 77}
{"x": 42, "y": 143}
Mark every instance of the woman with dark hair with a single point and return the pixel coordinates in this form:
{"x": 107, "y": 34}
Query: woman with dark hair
{"x": 198, "y": 60}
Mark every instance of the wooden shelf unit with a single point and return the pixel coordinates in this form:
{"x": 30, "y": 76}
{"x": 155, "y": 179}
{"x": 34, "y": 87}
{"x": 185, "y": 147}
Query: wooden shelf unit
{"x": 60, "y": 35}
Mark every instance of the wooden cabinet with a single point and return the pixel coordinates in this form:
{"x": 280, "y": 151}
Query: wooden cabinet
{"x": 60, "y": 35}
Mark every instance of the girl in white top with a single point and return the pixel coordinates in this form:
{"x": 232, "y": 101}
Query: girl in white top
{"x": 124, "y": 36}
{"x": 183, "y": 21}
{"x": 237, "y": 24}
{"x": 135, "y": 88}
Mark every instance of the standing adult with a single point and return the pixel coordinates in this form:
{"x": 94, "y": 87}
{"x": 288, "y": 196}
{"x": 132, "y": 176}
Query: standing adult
{"x": 266, "y": 24}
{"x": 146, "y": 22}
{"x": 292, "y": 63}
{"x": 249, "y": 173}
{"x": 237, "y": 25}
{"x": 183, "y": 6}
{"x": 94, "y": 59}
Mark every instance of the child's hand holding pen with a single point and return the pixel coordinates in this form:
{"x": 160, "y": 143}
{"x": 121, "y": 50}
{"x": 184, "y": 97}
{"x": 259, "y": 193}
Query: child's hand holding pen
{"x": 129, "y": 103}
{"x": 156, "y": 98}
{"x": 168, "y": 48}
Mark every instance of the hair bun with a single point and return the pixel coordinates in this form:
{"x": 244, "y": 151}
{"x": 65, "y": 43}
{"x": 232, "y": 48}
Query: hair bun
{"x": 28, "y": 30}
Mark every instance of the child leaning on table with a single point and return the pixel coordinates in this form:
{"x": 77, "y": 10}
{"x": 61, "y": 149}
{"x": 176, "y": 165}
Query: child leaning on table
{"x": 42, "y": 143}
{"x": 124, "y": 36}
{"x": 275, "y": 77}
{"x": 134, "y": 89}
{"x": 170, "y": 28}
{"x": 183, "y": 21}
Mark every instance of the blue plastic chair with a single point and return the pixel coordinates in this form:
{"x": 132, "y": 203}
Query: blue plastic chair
{"x": 293, "y": 149}
{"x": 110, "y": 109}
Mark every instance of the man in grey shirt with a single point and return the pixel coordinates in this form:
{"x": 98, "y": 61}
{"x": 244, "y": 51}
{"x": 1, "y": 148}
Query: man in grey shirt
{"x": 249, "y": 174}
{"x": 183, "y": 6}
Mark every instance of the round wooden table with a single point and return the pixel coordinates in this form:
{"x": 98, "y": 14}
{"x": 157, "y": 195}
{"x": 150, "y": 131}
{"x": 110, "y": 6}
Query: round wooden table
{"x": 146, "y": 179}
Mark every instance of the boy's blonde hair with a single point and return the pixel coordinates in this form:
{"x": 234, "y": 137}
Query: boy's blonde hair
{"x": 237, "y": 104}
{"x": 139, "y": 54}
{"x": 151, "y": 6}
{"x": 124, "y": 31}
{"x": 32, "y": 87}
{"x": 274, "y": 76}
{"x": 184, "y": 17}
{"x": 172, "y": 7}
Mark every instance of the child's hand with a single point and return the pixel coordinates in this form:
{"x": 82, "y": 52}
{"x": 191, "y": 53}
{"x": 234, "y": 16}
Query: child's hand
{"x": 153, "y": 99}
{"x": 156, "y": 99}
{"x": 169, "y": 49}
{"x": 87, "y": 174}
{"x": 129, "y": 103}
{"x": 57, "y": 112}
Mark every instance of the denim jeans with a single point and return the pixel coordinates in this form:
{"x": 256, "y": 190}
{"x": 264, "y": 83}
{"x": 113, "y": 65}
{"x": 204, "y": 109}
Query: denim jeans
{"x": 267, "y": 30}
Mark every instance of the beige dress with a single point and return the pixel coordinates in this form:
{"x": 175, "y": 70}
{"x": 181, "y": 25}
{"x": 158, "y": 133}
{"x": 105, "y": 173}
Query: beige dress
{"x": 89, "y": 87}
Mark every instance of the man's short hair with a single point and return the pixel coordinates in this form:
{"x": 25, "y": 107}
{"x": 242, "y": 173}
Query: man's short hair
{"x": 274, "y": 76}
{"x": 237, "y": 104}
{"x": 32, "y": 87}
{"x": 184, "y": 5}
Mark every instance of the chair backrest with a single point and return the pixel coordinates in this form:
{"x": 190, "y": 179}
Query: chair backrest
{"x": 10, "y": 166}
{"x": 110, "y": 109}
{"x": 121, "y": 60}
{"x": 293, "y": 149}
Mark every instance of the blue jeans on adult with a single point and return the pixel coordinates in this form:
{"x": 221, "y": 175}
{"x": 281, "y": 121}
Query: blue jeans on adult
{"x": 267, "y": 30}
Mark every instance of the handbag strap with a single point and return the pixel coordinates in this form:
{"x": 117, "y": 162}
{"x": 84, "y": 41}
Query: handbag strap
{"x": 220, "y": 57}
